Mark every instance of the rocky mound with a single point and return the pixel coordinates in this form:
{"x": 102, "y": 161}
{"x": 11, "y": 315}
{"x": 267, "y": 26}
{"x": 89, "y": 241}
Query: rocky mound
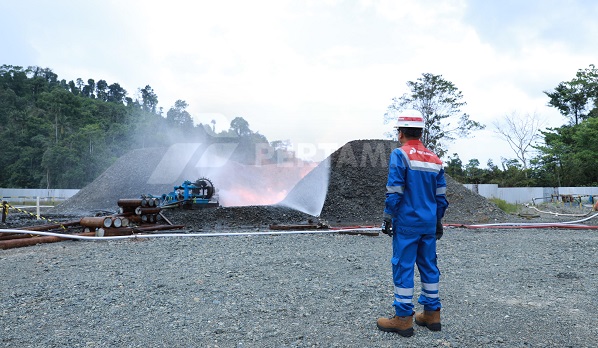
{"x": 128, "y": 177}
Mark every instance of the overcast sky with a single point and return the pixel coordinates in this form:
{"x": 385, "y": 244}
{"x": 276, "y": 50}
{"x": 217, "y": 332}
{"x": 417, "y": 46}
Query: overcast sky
{"x": 314, "y": 72}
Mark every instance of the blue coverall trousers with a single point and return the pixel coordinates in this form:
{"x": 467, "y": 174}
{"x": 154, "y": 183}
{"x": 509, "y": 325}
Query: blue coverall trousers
{"x": 408, "y": 250}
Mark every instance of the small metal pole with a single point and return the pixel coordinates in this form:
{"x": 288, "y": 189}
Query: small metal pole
{"x": 4, "y": 211}
{"x": 37, "y": 209}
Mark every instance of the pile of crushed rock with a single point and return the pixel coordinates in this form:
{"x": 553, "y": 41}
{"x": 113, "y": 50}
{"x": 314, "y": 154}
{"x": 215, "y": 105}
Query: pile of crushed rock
{"x": 357, "y": 187}
{"x": 356, "y": 172}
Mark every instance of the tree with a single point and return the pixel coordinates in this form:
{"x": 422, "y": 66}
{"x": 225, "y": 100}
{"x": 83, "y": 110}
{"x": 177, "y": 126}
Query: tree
{"x": 73, "y": 88}
{"x": 513, "y": 174}
{"x": 102, "y": 90}
{"x": 590, "y": 78}
{"x": 178, "y": 116}
{"x": 439, "y": 102}
{"x": 585, "y": 154}
{"x": 568, "y": 156}
{"x": 42, "y": 80}
{"x": 454, "y": 167}
{"x": 88, "y": 90}
{"x": 149, "y": 99}
{"x": 240, "y": 127}
{"x": 80, "y": 84}
{"x": 555, "y": 154}
{"x": 473, "y": 173}
{"x": 116, "y": 94}
{"x": 520, "y": 133}
{"x": 571, "y": 99}
{"x": 574, "y": 98}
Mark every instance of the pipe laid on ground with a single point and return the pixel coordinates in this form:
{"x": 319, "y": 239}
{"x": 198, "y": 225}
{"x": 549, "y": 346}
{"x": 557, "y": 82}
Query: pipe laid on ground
{"x": 59, "y": 236}
{"x": 538, "y": 225}
{"x": 222, "y": 234}
{"x": 50, "y": 226}
{"x": 40, "y": 237}
{"x": 560, "y": 214}
{"x": 47, "y": 237}
{"x": 10, "y": 236}
{"x": 542, "y": 224}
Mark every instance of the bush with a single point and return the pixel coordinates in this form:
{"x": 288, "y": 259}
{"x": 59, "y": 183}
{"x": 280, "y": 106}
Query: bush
{"x": 504, "y": 206}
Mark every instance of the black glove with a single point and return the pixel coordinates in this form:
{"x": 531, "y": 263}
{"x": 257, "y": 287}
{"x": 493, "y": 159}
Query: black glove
{"x": 439, "y": 229}
{"x": 387, "y": 226}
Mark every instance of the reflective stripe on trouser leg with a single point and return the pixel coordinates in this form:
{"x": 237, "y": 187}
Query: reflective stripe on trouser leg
{"x": 429, "y": 273}
{"x": 404, "y": 253}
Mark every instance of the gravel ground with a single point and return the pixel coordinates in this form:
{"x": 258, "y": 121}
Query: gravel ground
{"x": 499, "y": 287}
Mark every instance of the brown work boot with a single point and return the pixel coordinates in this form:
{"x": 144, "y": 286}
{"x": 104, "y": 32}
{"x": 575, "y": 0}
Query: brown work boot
{"x": 429, "y": 319}
{"x": 401, "y": 325}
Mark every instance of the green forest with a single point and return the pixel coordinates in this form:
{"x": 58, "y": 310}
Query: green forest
{"x": 59, "y": 134}
{"x": 63, "y": 134}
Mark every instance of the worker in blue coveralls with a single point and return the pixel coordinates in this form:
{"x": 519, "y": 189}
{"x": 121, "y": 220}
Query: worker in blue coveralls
{"x": 415, "y": 204}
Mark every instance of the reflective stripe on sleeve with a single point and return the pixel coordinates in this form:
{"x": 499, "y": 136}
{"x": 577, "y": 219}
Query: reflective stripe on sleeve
{"x": 394, "y": 189}
{"x": 441, "y": 190}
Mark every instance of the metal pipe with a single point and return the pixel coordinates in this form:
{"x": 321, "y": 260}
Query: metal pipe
{"x": 147, "y": 211}
{"x": 50, "y": 226}
{"x": 116, "y": 222}
{"x": 129, "y": 202}
{"x": 102, "y": 221}
{"x": 9, "y": 236}
{"x": 47, "y": 237}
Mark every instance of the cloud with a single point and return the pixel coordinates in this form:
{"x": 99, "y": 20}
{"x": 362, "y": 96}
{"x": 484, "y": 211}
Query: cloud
{"x": 312, "y": 71}
{"x": 511, "y": 25}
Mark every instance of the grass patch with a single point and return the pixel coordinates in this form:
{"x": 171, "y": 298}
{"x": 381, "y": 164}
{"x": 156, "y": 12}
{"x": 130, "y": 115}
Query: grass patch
{"x": 504, "y": 206}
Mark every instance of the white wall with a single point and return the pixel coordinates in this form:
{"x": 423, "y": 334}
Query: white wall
{"x": 519, "y": 195}
{"x": 20, "y": 195}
